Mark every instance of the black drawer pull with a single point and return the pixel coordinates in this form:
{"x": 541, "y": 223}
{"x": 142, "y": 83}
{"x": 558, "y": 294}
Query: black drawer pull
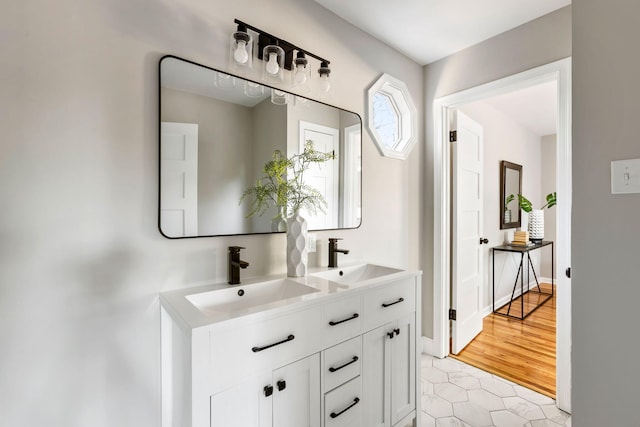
{"x": 355, "y": 316}
{"x": 355, "y": 402}
{"x": 282, "y": 384}
{"x": 257, "y": 349}
{"x": 385, "y": 305}
{"x": 397, "y": 331}
{"x": 391, "y": 334}
{"x": 354, "y": 360}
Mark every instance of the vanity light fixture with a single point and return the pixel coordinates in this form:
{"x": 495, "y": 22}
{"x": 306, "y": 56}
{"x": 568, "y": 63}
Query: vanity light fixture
{"x": 300, "y": 71}
{"x": 278, "y": 56}
{"x": 241, "y": 49}
{"x": 273, "y": 55}
{"x": 325, "y": 88}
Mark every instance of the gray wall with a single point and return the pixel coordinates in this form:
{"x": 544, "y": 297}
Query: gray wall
{"x": 82, "y": 260}
{"x": 605, "y": 227}
{"x": 536, "y": 43}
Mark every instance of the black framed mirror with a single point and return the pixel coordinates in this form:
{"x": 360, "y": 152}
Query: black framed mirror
{"x": 510, "y": 187}
{"x": 217, "y": 131}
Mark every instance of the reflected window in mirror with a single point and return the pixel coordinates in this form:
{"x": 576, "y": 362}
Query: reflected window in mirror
{"x": 218, "y": 130}
{"x": 510, "y": 187}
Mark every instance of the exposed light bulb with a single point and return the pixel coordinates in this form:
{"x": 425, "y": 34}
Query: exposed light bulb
{"x": 325, "y": 83}
{"x": 240, "y": 54}
{"x": 272, "y": 66}
{"x": 300, "y": 76}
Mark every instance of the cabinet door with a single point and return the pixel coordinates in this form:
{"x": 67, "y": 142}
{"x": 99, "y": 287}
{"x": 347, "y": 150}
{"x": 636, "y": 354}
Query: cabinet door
{"x": 246, "y": 404}
{"x": 403, "y": 368}
{"x": 376, "y": 386}
{"x": 296, "y": 394}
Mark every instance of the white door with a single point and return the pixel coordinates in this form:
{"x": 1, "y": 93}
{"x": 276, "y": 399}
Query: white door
{"x": 323, "y": 176}
{"x": 351, "y": 209}
{"x": 467, "y": 262}
{"x": 296, "y": 394}
{"x": 179, "y": 179}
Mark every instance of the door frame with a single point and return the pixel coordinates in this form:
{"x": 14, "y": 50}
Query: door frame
{"x": 559, "y": 71}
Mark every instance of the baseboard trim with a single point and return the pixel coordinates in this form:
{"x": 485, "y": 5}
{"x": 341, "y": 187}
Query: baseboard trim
{"x": 504, "y": 300}
{"x": 428, "y": 346}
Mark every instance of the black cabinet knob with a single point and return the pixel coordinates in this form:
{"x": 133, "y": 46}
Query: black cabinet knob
{"x": 268, "y": 390}
{"x": 282, "y": 384}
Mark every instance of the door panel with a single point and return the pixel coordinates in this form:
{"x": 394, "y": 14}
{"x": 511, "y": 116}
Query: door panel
{"x": 467, "y": 264}
{"x": 403, "y": 376}
{"x": 296, "y": 403}
{"x": 179, "y": 164}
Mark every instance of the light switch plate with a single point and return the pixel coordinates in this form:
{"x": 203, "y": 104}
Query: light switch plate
{"x": 625, "y": 176}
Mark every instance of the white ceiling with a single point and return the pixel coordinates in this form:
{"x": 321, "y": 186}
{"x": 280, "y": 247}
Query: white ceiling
{"x": 428, "y": 30}
{"x": 534, "y": 108}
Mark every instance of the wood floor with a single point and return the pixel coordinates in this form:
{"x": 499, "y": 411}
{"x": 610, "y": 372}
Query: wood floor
{"x": 522, "y": 351}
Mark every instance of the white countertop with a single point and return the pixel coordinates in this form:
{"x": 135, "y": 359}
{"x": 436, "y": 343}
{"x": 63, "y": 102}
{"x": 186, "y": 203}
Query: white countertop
{"x": 182, "y": 310}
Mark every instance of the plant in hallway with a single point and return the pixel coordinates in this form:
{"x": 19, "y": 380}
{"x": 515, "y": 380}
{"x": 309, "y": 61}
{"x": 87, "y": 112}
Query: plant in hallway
{"x": 527, "y": 206}
{"x": 536, "y": 216}
{"x": 283, "y": 186}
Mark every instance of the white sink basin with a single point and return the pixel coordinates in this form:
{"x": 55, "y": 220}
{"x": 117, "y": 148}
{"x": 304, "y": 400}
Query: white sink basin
{"x": 243, "y": 297}
{"x": 356, "y": 273}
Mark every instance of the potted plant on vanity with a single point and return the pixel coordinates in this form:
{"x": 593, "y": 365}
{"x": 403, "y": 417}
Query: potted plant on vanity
{"x": 536, "y": 216}
{"x": 282, "y": 186}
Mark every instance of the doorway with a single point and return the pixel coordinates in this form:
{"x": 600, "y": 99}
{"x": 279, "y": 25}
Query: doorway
{"x": 560, "y": 72}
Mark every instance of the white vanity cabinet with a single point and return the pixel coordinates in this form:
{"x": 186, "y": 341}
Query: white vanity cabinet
{"x": 340, "y": 358}
{"x": 389, "y": 373}
{"x": 286, "y": 397}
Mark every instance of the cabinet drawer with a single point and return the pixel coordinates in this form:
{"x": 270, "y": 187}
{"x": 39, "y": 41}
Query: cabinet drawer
{"x": 342, "y": 319}
{"x": 238, "y": 352}
{"x": 342, "y": 363}
{"x": 343, "y": 406}
{"x": 389, "y": 302}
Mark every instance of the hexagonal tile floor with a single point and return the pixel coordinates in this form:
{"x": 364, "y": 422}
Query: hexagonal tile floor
{"x": 455, "y": 394}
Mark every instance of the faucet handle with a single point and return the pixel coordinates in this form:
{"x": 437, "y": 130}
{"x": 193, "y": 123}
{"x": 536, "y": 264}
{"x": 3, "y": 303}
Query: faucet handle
{"x": 235, "y": 248}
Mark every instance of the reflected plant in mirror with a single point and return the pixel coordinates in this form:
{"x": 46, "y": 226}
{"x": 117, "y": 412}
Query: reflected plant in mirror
{"x": 283, "y": 186}
{"x": 217, "y": 130}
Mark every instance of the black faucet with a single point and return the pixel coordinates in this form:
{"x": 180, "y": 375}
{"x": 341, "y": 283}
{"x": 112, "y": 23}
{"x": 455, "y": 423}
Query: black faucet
{"x": 234, "y": 265}
{"x": 333, "y": 251}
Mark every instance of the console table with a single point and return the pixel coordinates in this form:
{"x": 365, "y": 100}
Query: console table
{"x": 524, "y": 252}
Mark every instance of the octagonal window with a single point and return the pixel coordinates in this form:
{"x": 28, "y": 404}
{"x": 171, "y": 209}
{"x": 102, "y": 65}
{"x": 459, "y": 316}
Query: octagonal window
{"x": 391, "y": 119}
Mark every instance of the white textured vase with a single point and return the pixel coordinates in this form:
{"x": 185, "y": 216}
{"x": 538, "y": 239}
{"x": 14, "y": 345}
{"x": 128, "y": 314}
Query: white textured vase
{"x": 536, "y": 225}
{"x": 507, "y": 216}
{"x": 297, "y": 246}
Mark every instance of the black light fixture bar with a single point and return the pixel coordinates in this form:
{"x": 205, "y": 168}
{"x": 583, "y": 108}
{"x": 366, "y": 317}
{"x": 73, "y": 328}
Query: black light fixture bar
{"x": 265, "y": 39}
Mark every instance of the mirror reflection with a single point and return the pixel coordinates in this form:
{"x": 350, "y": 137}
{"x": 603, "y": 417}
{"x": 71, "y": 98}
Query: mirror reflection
{"x": 216, "y": 133}
{"x": 510, "y": 187}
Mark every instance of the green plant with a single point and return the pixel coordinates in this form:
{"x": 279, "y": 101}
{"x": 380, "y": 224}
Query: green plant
{"x": 526, "y": 205}
{"x": 282, "y": 184}
{"x": 508, "y": 200}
